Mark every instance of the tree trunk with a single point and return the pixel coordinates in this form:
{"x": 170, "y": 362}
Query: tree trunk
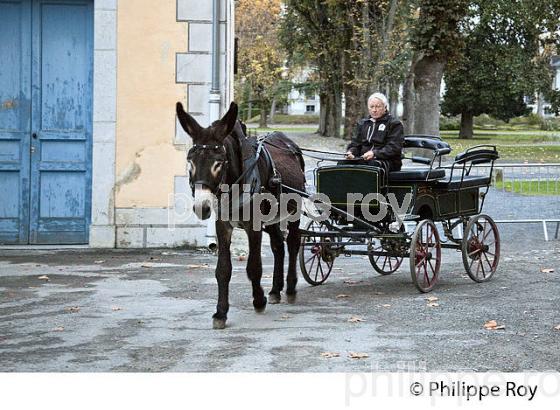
{"x": 353, "y": 109}
{"x": 428, "y": 73}
{"x": 262, "y": 121}
{"x": 272, "y": 110}
{"x": 249, "y": 110}
{"x": 323, "y": 112}
{"x": 466, "y": 125}
{"x": 408, "y": 101}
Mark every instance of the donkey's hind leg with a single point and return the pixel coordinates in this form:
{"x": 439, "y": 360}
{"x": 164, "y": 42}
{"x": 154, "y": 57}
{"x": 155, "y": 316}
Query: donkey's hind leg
{"x": 254, "y": 268}
{"x": 293, "y": 241}
{"x": 277, "y": 246}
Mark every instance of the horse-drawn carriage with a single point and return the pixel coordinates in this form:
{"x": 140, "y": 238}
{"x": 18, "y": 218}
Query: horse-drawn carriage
{"x": 449, "y": 194}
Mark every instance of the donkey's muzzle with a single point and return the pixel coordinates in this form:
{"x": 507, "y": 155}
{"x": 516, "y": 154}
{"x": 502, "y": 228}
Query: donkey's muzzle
{"x": 203, "y": 200}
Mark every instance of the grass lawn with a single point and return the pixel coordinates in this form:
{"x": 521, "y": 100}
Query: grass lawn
{"x": 531, "y": 146}
{"x": 543, "y": 187}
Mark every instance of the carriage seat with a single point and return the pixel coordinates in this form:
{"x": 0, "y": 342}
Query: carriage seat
{"x": 469, "y": 181}
{"x": 416, "y": 175}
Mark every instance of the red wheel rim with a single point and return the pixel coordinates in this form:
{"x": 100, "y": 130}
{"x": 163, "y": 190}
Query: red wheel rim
{"x": 384, "y": 264}
{"x": 482, "y": 248}
{"x": 315, "y": 263}
{"x": 427, "y": 257}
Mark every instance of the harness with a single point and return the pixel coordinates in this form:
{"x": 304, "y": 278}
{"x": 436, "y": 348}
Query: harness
{"x": 251, "y": 150}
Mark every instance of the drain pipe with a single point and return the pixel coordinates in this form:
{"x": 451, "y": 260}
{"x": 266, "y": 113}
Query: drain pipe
{"x": 214, "y": 105}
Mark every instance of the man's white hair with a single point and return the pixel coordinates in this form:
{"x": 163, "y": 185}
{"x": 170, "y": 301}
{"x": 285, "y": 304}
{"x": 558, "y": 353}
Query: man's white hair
{"x": 380, "y": 97}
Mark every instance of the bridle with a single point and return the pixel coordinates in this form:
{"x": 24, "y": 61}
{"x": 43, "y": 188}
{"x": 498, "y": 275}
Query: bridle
{"x": 202, "y": 147}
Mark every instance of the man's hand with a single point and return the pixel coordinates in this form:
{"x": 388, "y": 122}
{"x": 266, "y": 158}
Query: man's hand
{"x": 368, "y": 155}
{"x": 349, "y": 155}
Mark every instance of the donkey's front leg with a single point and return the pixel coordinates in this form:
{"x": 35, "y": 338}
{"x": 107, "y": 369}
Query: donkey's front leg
{"x": 293, "y": 242}
{"x": 254, "y": 268}
{"x": 277, "y": 245}
{"x": 223, "y": 273}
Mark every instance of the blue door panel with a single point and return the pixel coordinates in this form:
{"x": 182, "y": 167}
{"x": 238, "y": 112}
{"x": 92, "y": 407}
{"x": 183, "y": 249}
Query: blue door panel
{"x": 46, "y": 77}
{"x": 15, "y": 120}
{"x": 62, "y": 120}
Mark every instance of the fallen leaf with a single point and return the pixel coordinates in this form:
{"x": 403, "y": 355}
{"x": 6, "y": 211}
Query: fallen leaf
{"x": 241, "y": 258}
{"x": 557, "y": 327}
{"x": 116, "y": 308}
{"x": 356, "y": 319}
{"x": 58, "y": 329}
{"x": 352, "y": 282}
{"x": 386, "y": 306}
{"x": 72, "y": 309}
{"x": 342, "y": 296}
{"x": 329, "y": 355}
{"x": 490, "y": 324}
{"x": 204, "y": 265}
{"x": 493, "y": 325}
{"x": 547, "y": 270}
{"x": 354, "y": 355}
{"x": 98, "y": 262}
{"x": 266, "y": 276}
{"x": 432, "y": 299}
{"x": 433, "y": 304}
{"x": 44, "y": 277}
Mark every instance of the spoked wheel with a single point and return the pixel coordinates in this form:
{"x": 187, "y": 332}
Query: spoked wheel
{"x": 316, "y": 257}
{"x": 385, "y": 265}
{"x": 481, "y": 248}
{"x": 425, "y": 256}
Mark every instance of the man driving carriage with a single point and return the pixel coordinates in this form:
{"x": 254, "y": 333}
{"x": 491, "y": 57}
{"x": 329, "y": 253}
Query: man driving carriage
{"x": 378, "y": 139}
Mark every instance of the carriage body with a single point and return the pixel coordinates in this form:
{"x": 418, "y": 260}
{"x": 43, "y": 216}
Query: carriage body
{"x": 446, "y": 194}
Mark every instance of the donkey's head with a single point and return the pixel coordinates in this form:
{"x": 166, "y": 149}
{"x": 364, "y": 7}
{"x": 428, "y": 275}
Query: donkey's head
{"x": 207, "y": 158}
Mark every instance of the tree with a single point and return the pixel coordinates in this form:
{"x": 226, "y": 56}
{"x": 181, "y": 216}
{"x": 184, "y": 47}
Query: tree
{"x": 435, "y": 38}
{"x": 376, "y": 54}
{"x": 357, "y": 47}
{"x": 260, "y": 58}
{"x": 501, "y": 65}
{"x": 311, "y": 33}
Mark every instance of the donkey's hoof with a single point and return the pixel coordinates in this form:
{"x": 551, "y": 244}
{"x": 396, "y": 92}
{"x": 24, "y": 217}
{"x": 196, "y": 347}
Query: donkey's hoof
{"x": 259, "y": 305}
{"x": 274, "y": 298}
{"x": 291, "y": 297}
{"x": 218, "y": 323}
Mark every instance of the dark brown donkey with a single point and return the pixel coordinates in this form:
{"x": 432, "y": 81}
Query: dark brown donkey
{"x": 219, "y": 158}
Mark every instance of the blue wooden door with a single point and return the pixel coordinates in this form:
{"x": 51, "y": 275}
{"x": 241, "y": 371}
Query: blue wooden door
{"x": 15, "y": 119}
{"x": 57, "y": 140}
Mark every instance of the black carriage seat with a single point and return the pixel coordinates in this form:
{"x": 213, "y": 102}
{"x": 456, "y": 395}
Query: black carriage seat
{"x": 481, "y": 154}
{"x": 469, "y": 181}
{"x": 416, "y": 175}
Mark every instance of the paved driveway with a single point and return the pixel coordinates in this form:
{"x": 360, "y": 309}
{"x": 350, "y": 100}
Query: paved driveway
{"x": 151, "y": 311}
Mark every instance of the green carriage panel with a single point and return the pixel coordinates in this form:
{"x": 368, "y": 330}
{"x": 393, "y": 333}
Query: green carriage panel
{"x": 338, "y": 181}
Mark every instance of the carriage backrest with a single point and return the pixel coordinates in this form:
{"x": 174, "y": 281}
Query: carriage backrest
{"x": 427, "y": 142}
{"x": 480, "y": 154}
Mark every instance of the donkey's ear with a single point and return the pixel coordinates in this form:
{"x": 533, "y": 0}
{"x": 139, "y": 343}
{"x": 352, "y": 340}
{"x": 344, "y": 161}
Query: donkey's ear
{"x": 228, "y": 121}
{"x": 188, "y": 123}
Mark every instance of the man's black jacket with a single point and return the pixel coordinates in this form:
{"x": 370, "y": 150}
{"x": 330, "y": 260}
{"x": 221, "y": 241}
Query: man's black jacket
{"x": 384, "y": 137}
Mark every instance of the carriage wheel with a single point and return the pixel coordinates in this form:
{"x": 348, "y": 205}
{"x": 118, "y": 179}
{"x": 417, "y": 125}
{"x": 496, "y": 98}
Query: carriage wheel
{"x": 315, "y": 256}
{"x": 385, "y": 265}
{"x": 481, "y": 248}
{"x": 425, "y": 256}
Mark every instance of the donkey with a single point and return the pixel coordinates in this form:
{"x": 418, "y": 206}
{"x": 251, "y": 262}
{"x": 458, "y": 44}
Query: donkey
{"x": 217, "y": 159}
